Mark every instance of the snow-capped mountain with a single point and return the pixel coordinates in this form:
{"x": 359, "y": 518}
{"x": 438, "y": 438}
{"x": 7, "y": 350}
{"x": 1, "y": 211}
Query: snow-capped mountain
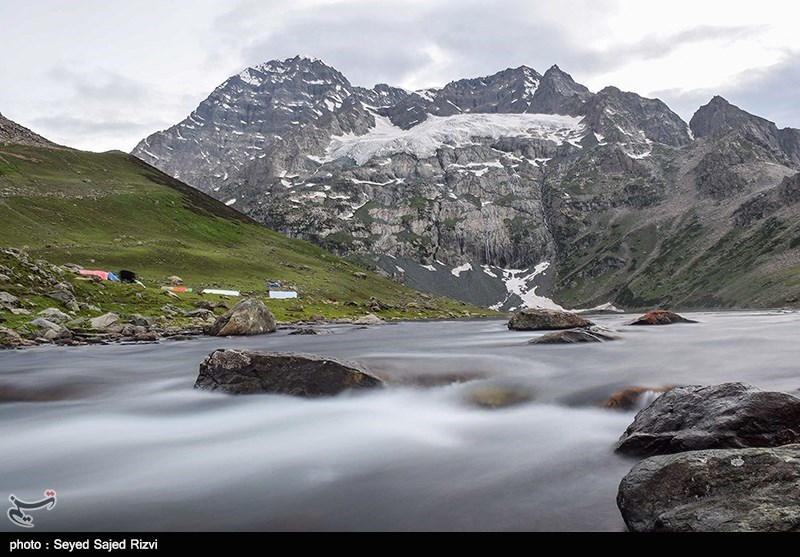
{"x": 503, "y": 174}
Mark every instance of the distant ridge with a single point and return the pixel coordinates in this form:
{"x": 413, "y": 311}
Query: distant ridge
{"x": 11, "y": 132}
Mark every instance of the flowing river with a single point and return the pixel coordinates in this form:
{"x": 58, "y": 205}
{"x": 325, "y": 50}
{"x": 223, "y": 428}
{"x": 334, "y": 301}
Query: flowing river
{"x": 128, "y": 444}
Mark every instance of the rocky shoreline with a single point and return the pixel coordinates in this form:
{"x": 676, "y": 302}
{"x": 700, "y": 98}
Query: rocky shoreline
{"x": 128, "y": 329}
{"x": 46, "y": 304}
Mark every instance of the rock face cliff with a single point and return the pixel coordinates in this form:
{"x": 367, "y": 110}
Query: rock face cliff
{"x": 507, "y": 188}
{"x": 11, "y": 132}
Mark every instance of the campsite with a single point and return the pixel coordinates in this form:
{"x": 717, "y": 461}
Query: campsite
{"x": 71, "y": 305}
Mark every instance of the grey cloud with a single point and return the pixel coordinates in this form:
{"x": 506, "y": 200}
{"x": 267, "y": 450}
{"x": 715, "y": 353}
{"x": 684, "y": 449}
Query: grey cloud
{"x": 685, "y": 102}
{"x": 770, "y": 92}
{"x": 652, "y": 48}
{"x": 96, "y": 126}
{"x": 374, "y": 42}
{"x": 82, "y": 132}
{"x": 99, "y": 84}
{"x": 105, "y": 107}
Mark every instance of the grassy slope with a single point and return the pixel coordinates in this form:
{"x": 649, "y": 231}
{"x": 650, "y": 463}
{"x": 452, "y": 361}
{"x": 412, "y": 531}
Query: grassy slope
{"x": 111, "y": 211}
{"x": 681, "y": 263}
{"x": 683, "y": 251}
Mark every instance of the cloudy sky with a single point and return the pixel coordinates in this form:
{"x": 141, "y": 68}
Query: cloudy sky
{"x": 102, "y": 75}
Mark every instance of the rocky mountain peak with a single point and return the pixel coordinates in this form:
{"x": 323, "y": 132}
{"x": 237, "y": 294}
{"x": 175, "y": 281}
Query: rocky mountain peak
{"x": 719, "y": 117}
{"x": 629, "y": 118}
{"x": 293, "y": 71}
{"x": 383, "y": 96}
{"x": 511, "y": 91}
{"x": 558, "y": 93}
{"x": 508, "y": 91}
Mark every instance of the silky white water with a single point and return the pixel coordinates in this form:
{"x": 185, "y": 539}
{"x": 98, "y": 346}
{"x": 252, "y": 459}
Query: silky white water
{"x": 128, "y": 444}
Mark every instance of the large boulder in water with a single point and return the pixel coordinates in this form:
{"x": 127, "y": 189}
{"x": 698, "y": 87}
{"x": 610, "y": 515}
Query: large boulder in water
{"x": 731, "y": 415}
{"x": 575, "y": 336}
{"x": 714, "y": 490}
{"x": 247, "y": 372}
{"x": 661, "y": 317}
{"x": 248, "y": 317}
{"x": 534, "y": 319}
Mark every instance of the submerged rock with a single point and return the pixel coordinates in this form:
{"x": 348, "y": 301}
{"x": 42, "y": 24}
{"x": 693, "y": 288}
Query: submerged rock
{"x": 248, "y": 317}
{"x": 714, "y": 490}
{"x": 310, "y": 331}
{"x": 731, "y": 415}
{"x": 546, "y": 320}
{"x": 495, "y": 396}
{"x": 661, "y": 317}
{"x": 575, "y": 336}
{"x": 634, "y": 398}
{"x": 247, "y": 372}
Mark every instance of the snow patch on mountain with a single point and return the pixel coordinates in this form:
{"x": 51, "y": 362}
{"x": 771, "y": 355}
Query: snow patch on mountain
{"x": 463, "y": 268}
{"x": 422, "y": 141}
{"x": 519, "y": 282}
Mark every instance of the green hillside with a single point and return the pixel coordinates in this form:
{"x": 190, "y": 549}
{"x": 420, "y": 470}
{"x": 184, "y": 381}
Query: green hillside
{"x": 111, "y": 211}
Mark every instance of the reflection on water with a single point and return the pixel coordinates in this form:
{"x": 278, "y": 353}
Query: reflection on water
{"x": 119, "y": 432}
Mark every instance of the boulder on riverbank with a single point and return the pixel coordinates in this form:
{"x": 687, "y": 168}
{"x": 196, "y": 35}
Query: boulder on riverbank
{"x": 661, "y": 317}
{"x": 248, "y": 317}
{"x": 54, "y": 315}
{"x": 368, "y": 319}
{"x": 731, "y": 415}
{"x": 576, "y": 336}
{"x": 533, "y": 319}
{"x": 105, "y": 322}
{"x": 248, "y": 372}
{"x": 10, "y": 339}
{"x": 47, "y": 330}
{"x": 714, "y": 490}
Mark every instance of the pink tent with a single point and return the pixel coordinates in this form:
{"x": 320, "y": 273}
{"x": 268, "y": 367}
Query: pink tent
{"x": 102, "y": 274}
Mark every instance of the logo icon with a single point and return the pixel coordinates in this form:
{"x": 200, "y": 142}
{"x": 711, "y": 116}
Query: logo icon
{"x": 17, "y": 514}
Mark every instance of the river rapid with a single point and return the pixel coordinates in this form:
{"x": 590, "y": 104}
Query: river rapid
{"x": 128, "y": 444}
